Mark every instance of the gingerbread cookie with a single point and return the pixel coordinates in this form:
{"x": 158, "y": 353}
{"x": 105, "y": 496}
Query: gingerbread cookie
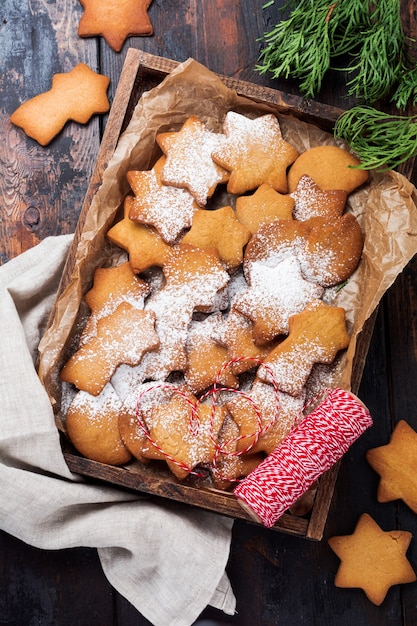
{"x": 143, "y": 244}
{"x": 115, "y": 21}
{"x": 221, "y": 230}
{"x": 76, "y": 95}
{"x": 122, "y": 337}
{"x": 92, "y": 426}
{"x": 112, "y": 286}
{"x": 372, "y": 559}
{"x": 135, "y": 419}
{"x": 315, "y": 336}
{"x": 189, "y": 164}
{"x": 254, "y": 153}
{"x": 237, "y": 336}
{"x": 262, "y": 207}
{"x": 185, "y": 432}
{"x": 330, "y": 167}
{"x": 264, "y": 422}
{"x": 228, "y": 464}
{"x": 328, "y": 252}
{"x": 205, "y": 357}
{"x": 274, "y": 294}
{"x": 168, "y": 209}
{"x": 396, "y": 464}
{"x": 311, "y": 201}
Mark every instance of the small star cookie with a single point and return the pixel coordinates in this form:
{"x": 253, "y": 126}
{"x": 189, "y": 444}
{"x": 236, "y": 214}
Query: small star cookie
{"x": 168, "y": 209}
{"x": 254, "y": 153}
{"x": 221, "y": 230}
{"x": 396, "y": 463}
{"x": 264, "y": 206}
{"x": 372, "y": 559}
{"x": 76, "y": 95}
{"x": 143, "y": 244}
{"x": 115, "y": 20}
{"x": 311, "y": 201}
{"x": 189, "y": 164}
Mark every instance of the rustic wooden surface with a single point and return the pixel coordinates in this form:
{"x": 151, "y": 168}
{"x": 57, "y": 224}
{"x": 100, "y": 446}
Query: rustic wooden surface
{"x": 278, "y": 579}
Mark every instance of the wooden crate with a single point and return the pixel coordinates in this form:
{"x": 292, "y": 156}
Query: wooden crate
{"x": 141, "y": 72}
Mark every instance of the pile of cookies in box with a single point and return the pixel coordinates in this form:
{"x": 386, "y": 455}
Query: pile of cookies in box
{"x": 202, "y": 344}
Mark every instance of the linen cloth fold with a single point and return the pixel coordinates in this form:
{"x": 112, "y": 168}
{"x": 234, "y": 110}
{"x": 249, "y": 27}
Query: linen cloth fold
{"x": 168, "y": 561}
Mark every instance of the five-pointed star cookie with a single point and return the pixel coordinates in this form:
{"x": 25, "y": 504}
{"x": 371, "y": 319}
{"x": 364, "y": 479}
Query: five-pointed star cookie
{"x": 76, "y": 95}
{"x": 221, "y": 230}
{"x": 115, "y": 20}
{"x": 396, "y": 463}
{"x": 311, "y": 201}
{"x": 189, "y": 164}
{"x": 168, "y": 209}
{"x": 143, "y": 243}
{"x": 124, "y": 336}
{"x": 372, "y": 559}
{"x": 315, "y": 336}
{"x": 255, "y": 153}
{"x": 274, "y": 294}
{"x": 264, "y": 206}
{"x": 185, "y": 438}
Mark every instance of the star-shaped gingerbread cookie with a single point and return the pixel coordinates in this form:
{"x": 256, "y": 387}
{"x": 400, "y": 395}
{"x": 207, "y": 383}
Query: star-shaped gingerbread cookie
{"x": 221, "y": 230}
{"x": 311, "y": 201}
{"x": 264, "y": 206}
{"x": 189, "y": 164}
{"x": 396, "y": 463}
{"x": 115, "y": 21}
{"x": 111, "y": 287}
{"x": 372, "y": 559}
{"x": 168, "y": 209}
{"x": 255, "y": 153}
{"x": 143, "y": 243}
{"x": 274, "y": 295}
{"x": 76, "y": 95}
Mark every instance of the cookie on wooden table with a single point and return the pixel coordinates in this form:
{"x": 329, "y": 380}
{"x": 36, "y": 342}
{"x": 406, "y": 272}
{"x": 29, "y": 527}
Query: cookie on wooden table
{"x": 76, "y": 95}
{"x": 372, "y": 559}
{"x": 115, "y": 20}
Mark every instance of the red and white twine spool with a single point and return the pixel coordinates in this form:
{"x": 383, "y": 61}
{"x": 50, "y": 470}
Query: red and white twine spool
{"x": 313, "y": 447}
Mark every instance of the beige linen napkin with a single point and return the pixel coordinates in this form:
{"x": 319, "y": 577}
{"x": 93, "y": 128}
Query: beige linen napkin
{"x": 167, "y": 560}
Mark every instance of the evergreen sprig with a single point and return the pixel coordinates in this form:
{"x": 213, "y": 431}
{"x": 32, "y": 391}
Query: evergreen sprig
{"x": 317, "y": 32}
{"x": 381, "y": 141}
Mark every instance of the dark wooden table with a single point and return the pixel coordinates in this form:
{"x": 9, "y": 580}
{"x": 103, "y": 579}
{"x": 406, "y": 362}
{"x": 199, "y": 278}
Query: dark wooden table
{"x": 277, "y": 578}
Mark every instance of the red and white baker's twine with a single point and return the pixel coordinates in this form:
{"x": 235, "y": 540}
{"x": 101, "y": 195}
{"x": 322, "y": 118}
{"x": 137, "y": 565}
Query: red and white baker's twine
{"x": 315, "y": 445}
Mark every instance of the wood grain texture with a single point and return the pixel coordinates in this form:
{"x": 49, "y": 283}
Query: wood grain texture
{"x": 277, "y": 578}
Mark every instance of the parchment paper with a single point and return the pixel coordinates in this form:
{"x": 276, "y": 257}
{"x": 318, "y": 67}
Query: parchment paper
{"x": 385, "y": 207}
